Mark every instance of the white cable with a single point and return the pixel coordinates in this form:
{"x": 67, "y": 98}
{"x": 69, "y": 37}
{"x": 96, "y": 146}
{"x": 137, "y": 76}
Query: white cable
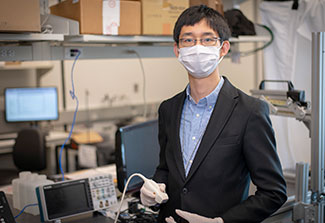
{"x": 123, "y": 194}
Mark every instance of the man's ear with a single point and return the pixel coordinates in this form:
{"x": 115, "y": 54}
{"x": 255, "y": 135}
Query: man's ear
{"x": 225, "y": 48}
{"x": 176, "y": 49}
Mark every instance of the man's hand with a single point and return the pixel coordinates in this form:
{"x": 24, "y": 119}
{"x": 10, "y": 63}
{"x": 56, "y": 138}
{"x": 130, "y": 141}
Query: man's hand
{"x": 193, "y": 218}
{"x": 147, "y": 197}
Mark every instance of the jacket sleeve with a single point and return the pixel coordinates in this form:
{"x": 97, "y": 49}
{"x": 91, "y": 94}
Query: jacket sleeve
{"x": 161, "y": 174}
{"x": 259, "y": 149}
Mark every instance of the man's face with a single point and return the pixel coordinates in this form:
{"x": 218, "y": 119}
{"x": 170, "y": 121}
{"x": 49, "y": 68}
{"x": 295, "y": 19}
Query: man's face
{"x": 199, "y": 31}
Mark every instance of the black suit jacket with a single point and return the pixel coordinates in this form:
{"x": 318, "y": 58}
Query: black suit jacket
{"x": 238, "y": 145}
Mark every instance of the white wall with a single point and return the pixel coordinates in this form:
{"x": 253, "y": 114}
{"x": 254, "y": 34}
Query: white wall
{"x": 164, "y": 76}
{"x": 118, "y": 77}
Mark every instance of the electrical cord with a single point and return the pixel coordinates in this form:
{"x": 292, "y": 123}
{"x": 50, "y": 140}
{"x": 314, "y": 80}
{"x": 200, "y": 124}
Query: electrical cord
{"x": 45, "y": 20}
{"x": 143, "y": 83}
{"x": 73, "y": 96}
{"x": 123, "y": 194}
{"x": 135, "y": 214}
{"x": 46, "y": 29}
{"x": 247, "y": 53}
{"x": 29, "y": 205}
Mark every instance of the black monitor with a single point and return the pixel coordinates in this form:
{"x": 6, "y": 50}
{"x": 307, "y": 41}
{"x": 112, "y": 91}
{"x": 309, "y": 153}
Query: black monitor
{"x": 67, "y": 199}
{"x": 31, "y": 104}
{"x": 137, "y": 151}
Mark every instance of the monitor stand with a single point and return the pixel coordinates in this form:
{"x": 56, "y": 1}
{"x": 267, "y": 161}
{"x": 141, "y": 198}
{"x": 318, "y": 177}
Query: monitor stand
{"x": 34, "y": 124}
{"x": 43, "y": 128}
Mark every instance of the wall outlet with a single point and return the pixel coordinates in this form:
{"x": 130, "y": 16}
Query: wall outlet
{"x": 72, "y": 52}
{"x": 136, "y": 88}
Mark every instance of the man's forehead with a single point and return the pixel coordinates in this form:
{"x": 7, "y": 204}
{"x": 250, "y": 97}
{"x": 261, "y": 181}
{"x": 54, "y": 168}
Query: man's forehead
{"x": 198, "y": 34}
{"x": 198, "y": 29}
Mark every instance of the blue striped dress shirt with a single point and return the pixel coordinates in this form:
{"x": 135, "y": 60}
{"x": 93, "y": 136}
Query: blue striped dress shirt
{"x": 195, "y": 118}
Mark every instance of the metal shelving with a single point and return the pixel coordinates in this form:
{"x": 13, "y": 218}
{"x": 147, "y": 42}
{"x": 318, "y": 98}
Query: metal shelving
{"x": 87, "y": 38}
{"x": 118, "y": 39}
{"x": 30, "y": 37}
{"x": 44, "y": 65}
{"x": 38, "y": 47}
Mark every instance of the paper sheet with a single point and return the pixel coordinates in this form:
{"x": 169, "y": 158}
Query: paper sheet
{"x": 87, "y": 156}
{"x": 111, "y": 17}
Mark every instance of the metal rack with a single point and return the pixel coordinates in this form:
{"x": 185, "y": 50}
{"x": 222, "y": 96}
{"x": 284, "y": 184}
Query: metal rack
{"x": 318, "y": 125}
{"x": 307, "y": 206}
{"x": 37, "y": 47}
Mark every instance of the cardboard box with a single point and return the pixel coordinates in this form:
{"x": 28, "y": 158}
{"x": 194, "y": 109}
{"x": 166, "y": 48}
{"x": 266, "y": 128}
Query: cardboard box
{"x": 20, "y": 16}
{"x": 215, "y": 4}
{"x": 89, "y": 13}
{"x": 159, "y": 16}
{"x": 130, "y": 20}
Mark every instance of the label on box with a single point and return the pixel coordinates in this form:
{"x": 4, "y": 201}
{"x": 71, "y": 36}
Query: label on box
{"x": 111, "y": 17}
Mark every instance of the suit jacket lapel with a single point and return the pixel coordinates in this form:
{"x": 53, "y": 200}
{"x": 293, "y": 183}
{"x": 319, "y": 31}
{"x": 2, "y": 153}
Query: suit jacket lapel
{"x": 225, "y": 104}
{"x": 178, "y": 151}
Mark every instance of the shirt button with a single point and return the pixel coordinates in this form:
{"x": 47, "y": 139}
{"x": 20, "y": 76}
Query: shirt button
{"x": 185, "y": 190}
{"x": 197, "y": 115}
{"x": 193, "y": 138}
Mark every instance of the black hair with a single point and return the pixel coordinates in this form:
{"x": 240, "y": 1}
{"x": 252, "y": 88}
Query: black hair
{"x": 195, "y": 14}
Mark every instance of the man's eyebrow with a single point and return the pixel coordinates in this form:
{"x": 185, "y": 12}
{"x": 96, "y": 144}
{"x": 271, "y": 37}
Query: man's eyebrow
{"x": 187, "y": 34}
{"x": 204, "y": 34}
{"x": 208, "y": 34}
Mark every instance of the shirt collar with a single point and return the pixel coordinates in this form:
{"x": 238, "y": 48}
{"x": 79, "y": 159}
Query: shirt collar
{"x": 209, "y": 99}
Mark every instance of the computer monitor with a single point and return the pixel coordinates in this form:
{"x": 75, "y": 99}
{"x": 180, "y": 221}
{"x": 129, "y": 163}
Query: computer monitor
{"x": 137, "y": 151}
{"x": 31, "y": 104}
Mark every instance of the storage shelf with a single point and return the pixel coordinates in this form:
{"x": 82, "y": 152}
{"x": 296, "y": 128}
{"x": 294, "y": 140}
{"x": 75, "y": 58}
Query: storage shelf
{"x": 118, "y": 39}
{"x": 27, "y": 65}
{"x": 30, "y": 37}
{"x": 35, "y": 37}
{"x": 149, "y": 39}
{"x": 249, "y": 39}
{"x": 45, "y": 47}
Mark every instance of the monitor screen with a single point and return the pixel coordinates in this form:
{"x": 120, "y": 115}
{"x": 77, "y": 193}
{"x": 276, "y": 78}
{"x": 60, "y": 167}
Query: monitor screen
{"x": 68, "y": 198}
{"x": 31, "y": 104}
{"x": 137, "y": 151}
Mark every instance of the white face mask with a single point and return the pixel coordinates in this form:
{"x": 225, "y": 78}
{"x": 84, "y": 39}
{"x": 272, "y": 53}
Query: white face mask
{"x": 200, "y": 61}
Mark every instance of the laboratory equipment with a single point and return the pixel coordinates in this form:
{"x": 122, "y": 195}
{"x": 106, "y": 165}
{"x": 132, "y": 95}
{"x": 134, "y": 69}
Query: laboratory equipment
{"x": 308, "y": 203}
{"x": 31, "y": 104}
{"x": 137, "y": 151}
{"x": 288, "y": 103}
{"x": 5, "y": 212}
{"x": 73, "y": 197}
{"x": 150, "y": 185}
{"x": 24, "y": 190}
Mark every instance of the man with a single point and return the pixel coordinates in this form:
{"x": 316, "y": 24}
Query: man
{"x": 214, "y": 138}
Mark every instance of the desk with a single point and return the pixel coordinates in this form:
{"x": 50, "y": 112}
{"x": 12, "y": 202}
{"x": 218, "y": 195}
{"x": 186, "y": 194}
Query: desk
{"x": 6, "y": 146}
{"x": 84, "y": 218}
{"x": 7, "y": 141}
